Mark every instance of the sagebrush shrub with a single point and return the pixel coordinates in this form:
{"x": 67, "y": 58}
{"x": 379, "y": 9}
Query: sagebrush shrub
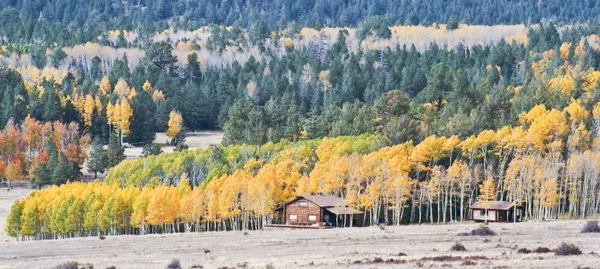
{"x": 174, "y": 264}
{"x": 68, "y": 265}
{"x": 524, "y": 251}
{"x": 542, "y": 250}
{"x": 483, "y": 231}
{"x": 566, "y": 249}
{"x": 591, "y": 227}
{"x": 458, "y": 247}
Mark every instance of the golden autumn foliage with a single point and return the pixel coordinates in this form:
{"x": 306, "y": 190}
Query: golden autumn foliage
{"x": 175, "y": 124}
{"x": 241, "y": 189}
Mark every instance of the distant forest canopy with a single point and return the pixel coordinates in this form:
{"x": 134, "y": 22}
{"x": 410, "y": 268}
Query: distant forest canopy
{"x": 72, "y": 22}
{"x": 303, "y": 91}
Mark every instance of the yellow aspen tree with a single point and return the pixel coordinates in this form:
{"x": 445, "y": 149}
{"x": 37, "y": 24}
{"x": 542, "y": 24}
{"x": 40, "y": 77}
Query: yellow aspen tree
{"x": 175, "y": 123}
{"x": 158, "y": 96}
{"x": 105, "y": 88}
{"x": 548, "y": 197}
{"x": 132, "y": 94}
{"x": 147, "y": 87}
{"x": 110, "y": 113}
{"x": 564, "y": 50}
{"x": 125, "y": 114}
{"x": 122, "y": 88}
{"x": 88, "y": 110}
{"x": 98, "y": 105}
{"x": 487, "y": 193}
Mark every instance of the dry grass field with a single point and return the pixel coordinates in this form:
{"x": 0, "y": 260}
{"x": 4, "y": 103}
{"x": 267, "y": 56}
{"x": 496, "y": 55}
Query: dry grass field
{"x": 201, "y": 139}
{"x": 424, "y": 245}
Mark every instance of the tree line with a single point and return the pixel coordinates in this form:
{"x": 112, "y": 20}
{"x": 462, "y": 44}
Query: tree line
{"x": 308, "y": 93}
{"x": 68, "y": 23}
{"x": 45, "y": 153}
{"x": 548, "y": 164}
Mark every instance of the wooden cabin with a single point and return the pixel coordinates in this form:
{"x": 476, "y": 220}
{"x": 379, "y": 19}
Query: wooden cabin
{"x": 497, "y": 211}
{"x": 321, "y": 210}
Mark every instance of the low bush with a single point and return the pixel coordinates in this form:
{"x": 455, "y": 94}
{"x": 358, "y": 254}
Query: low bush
{"x": 443, "y": 258}
{"x": 102, "y": 237}
{"x": 542, "y": 250}
{"x": 591, "y": 227}
{"x": 483, "y": 231}
{"x": 566, "y": 249}
{"x": 68, "y": 265}
{"x": 524, "y": 251}
{"x": 468, "y": 263}
{"x": 174, "y": 264}
{"x": 378, "y": 260}
{"x": 458, "y": 247}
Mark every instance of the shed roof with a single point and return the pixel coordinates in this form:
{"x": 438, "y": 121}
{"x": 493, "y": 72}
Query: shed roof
{"x": 339, "y": 210}
{"x": 325, "y": 200}
{"x": 494, "y": 205}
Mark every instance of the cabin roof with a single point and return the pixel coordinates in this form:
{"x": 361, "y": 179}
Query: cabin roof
{"x": 324, "y": 200}
{"x": 493, "y": 205}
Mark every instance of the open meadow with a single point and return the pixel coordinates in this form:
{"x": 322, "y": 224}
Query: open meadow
{"x": 199, "y": 139}
{"x": 424, "y": 245}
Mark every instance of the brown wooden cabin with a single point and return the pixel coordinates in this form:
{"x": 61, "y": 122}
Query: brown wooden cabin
{"x": 497, "y": 211}
{"x": 321, "y": 210}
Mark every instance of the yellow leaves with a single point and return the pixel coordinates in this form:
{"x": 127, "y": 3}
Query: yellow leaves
{"x": 548, "y": 193}
{"x": 580, "y": 49}
{"x": 88, "y": 110}
{"x": 98, "y": 105}
{"x": 487, "y": 190}
{"x": 158, "y": 96}
{"x": 596, "y": 111}
{"x": 119, "y": 115}
{"x": 147, "y": 87}
{"x": 564, "y": 84}
{"x": 451, "y": 143}
{"x": 122, "y": 88}
{"x": 324, "y": 80}
{"x": 110, "y": 113}
{"x": 543, "y": 64}
{"x": 543, "y": 125}
{"x": 132, "y": 94}
{"x": 485, "y": 138}
{"x": 565, "y": 50}
{"x": 175, "y": 123}
{"x": 456, "y": 169}
{"x": 251, "y": 88}
{"x": 435, "y": 104}
{"x": 105, "y": 87}
{"x": 183, "y": 186}
{"x": 126, "y": 113}
{"x": 576, "y": 112}
{"x": 163, "y": 205}
{"x": 589, "y": 79}
{"x": 288, "y": 44}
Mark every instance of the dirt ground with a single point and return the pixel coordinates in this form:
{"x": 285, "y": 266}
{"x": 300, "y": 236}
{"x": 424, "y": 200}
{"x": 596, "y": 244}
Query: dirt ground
{"x": 333, "y": 248}
{"x": 194, "y": 140}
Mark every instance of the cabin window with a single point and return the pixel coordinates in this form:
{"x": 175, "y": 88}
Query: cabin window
{"x": 482, "y": 212}
{"x": 303, "y": 203}
{"x": 293, "y": 217}
{"x": 312, "y": 217}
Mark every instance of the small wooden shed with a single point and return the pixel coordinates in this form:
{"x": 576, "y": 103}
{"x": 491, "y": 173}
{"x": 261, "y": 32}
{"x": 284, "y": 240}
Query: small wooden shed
{"x": 497, "y": 211}
{"x": 320, "y": 210}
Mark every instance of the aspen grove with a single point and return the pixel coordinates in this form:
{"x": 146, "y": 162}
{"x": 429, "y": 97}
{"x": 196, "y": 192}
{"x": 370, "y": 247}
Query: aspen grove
{"x": 549, "y": 163}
